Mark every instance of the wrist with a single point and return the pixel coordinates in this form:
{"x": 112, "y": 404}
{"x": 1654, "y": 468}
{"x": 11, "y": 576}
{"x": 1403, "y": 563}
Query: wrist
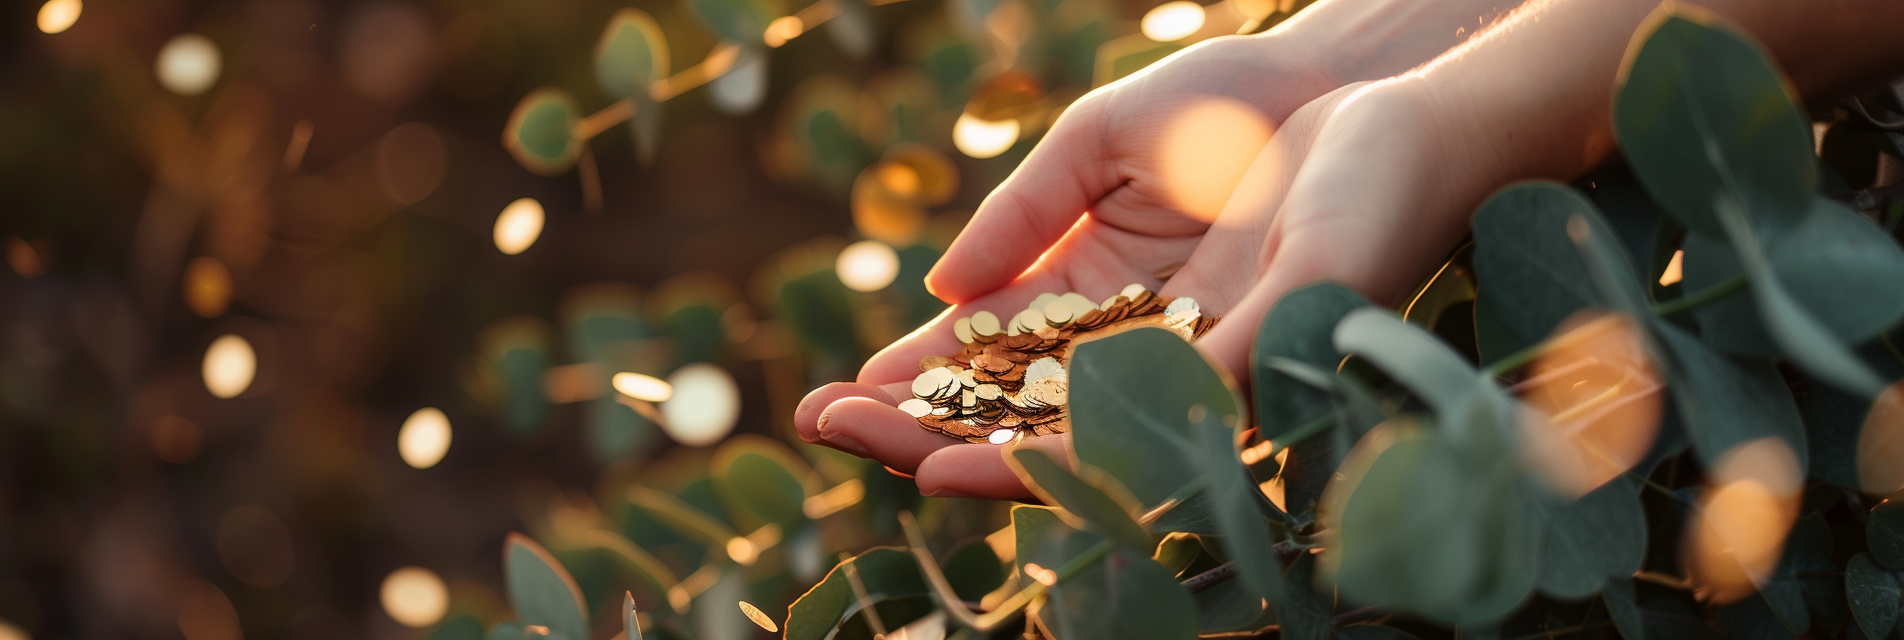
{"x": 1365, "y": 40}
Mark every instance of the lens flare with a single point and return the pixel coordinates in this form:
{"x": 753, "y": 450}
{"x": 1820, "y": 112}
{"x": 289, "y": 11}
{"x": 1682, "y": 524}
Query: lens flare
{"x": 1172, "y": 21}
{"x": 1205, "y": 152}
{"x": 415, "y": 597}
{"x": 867, "y": 265}
{"x": 1743, "y": 518}
{"x": 204, "y": 613}
{"x": 424, "y": 438}
{"x": 229, "y": 366}
{"x": 1596, "y": 401}
{"x": 59, "y": 15}
{"x": 188, "y": 64}
{"x": 782, "y": 29}
{"x": 1881, "y": 443}
{"x": 983, "y": 138}
{"x": 704, "y": 407}
{"x": 519, "y": 226}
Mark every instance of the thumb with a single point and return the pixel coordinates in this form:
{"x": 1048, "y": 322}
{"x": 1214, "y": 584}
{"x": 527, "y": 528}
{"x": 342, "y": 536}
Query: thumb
{"x": 1031, "y": 210}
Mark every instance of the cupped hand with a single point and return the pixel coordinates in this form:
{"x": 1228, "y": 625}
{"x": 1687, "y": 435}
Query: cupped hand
{"x": 1152, "y": 158}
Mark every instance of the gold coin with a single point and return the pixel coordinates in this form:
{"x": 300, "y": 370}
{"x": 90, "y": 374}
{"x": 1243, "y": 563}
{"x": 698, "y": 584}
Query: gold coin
{"x": 916, "y": 408}
{"x": 984, "y": 324}
{"x": 988, "y": 392}
{"x": 1132, "y": 290}
{"x": 963, "y": 329}
{"x": 1058, "y": 313}
{"x": 929, "y": 383}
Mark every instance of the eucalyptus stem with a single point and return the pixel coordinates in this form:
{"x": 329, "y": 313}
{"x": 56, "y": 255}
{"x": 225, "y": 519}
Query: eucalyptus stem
{"x": 1650, "y": 484}
{"x": 1515, "y": 360}
{"x": 1298, "y": 434}
{"x": 1697, "y": 298}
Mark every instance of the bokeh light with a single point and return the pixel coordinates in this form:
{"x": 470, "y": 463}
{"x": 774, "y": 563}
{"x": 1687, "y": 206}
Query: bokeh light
{"x": 205, "y": 613}
{"x": 176, "y": 439}
{"x": 410, "y": 162}
{"x": 1205, "y": 152}
{"x": 518, "y": 226}
{"x": 424, "y": 438}
{"x": 24, "y": 258}
{"x": 984, "y": 138}
{"x": 256, "y": 546}
{"x": 59, "y": 15}
{"x": 782, "y": 29}
{"x": 1597, "y": 403}
{"x": 387, "y": 50}
{"x": 867, "y": 265}
{"x": 642, "y": 387}
{"x": 1881, "y": 443}
{"x": 704, "y": 407}
{"x": 188, "y": 64}
{"x": 1172, "y": 21}
{"x": 759, "y": 617}
{"x": 229, "y": 366}
{"x": 207, "y": 287}
{"x": 1742, "y": 520}
{"x": 415, "y": 597}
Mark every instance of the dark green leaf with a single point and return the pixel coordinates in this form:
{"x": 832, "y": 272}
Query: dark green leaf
{"x": 1410, "y": 355}
{"x": 1245, "y": 538}
{"x": 1884, "y": 532}
{"x": 1306, "y": 611}
{"x": 1119, "y": 595}
{"x": 736, "y": 21}
{"x": 538, "y": 135}
{"x": 1600, "y": 536}
{"x": 541, "y": 591}
{"x": 1751, "y": 619}
{"x": 1131, "y": 399}
{"x": 1095, "y": 502}
{"x": 1874, "y": 594}
{"x": 506, "y": 631}
{"x": 1531, "y": 277}
{"x": 974, "y": 570}
{"x": 1623, "y": 607}
{"x": 1702, "y": 110}
{"x": 1299, "y": 327}
{"x": 1724, "y": 402}
{"x": 763, "y": 479}
{"x": 887, "y": 573}
{"x": 630, "y": 623}
{"x": 1230, "y": 607}
{"x": 631, "y": 54}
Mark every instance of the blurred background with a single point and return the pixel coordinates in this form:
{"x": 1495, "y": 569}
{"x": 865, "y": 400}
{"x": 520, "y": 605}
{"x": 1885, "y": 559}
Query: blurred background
{"x": 292, "y": 331}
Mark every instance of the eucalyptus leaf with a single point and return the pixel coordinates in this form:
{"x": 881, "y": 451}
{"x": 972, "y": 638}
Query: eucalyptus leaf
{"x": 1306, "y": 611}
{"x": 1411, "y": 355}
{"x": 1884, "y": 532}
{"x": 763, "y": 479}
{"x": 1598, "y": 537}
{"x": 1623, "y": 607}
{"x": 463, "y": 627}
{"x": 1116, "y": 594}
{"x": 541, "y": 591}
{"x": 1531, "y": 277}
{"x": 1300, "y": 327}
{"x": 1702, "y": 110}
{"x": 1229, "y": 607}
{"x": 887, "y": 573}
{"x": 538, "y": 133}
{"x": 737, "y": 21}
{"x": 1098, "y": 503}
{"x": 974, "y": 570}
{"x": 1245, "y": 537}
{"x": 1131, "y": 398}
{"x": 1723, "y": 401}
{"x": 1874, "y": 594}
{"x": 630, "y": 622}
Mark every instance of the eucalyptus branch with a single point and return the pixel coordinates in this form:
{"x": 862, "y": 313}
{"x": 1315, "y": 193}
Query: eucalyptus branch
{"x": 1297, "y": 435}
{"x": 1701, "y": 297}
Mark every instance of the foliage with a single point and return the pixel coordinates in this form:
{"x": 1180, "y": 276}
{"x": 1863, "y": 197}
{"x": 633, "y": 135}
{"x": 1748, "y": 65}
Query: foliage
{"x": 1590, "y": 453}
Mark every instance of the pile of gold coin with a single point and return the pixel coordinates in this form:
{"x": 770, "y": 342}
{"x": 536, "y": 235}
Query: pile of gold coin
{"x": 1011, "y": 376}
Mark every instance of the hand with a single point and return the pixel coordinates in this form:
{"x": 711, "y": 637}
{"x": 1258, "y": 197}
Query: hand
{"x": 1151, "y": 157}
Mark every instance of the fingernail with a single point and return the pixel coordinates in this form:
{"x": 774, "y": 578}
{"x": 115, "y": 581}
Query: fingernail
{"x": 942, "y": 492}
{"x": 841, "y": 440}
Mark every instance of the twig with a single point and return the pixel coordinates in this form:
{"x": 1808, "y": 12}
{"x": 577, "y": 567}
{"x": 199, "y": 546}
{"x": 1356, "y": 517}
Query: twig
{"x": 1216, "y": 575}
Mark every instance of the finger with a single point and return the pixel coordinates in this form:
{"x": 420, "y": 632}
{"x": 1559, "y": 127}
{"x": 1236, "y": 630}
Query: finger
{"x": 872, "y": 429}
{"x": 979, "y": 470}
{"x": 1032, "y": 209}
{"x": 806, "y": 417}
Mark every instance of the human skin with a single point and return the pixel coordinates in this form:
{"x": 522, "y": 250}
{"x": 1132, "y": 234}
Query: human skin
{"x": 1368, "y": 185}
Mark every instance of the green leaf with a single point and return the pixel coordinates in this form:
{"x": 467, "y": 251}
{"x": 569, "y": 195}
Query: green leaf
{"x": 1836, "y": 263}
{"x": 683, "y": 518}
{"x": 737, "y": 21}
{"x": 1245, "y": 538}
{"x": 1426, "y": 531}
{"x": 1096, "y": 500}
{"x": 538, "y": 134}
{"x": 1797, "y": 332}
{"x": 1600, "y": 536}
{"x": 764, "y": 479}
{"x": 1131, "y": 399}
{"x": 1623, "y": 607}
{"x": 1874, "y": 594}
{"x": 974, "y": 570}
{"x": 887, "y": 573}
{"x": 1228, "y": 607}
{"x": 1725, "y": 402}
{"x": 1306, "y": 614}
{"x": 1751, "y": 619}
{"x": 1412, "y": 356}
{"x": 630, "y": 623}
{"x": 1702, "y": 110}
{"x": 1615, "y": 283}
{"x": 1299, "y": 327}
{"x": 541, "y": 591}
{"x": 1531, "y": 277}
{"x": 507, "y": 631}
{"x": 631, "y": 54}
{"x": 1884, "y": 532}
{"x": 463, "y": 627}
{"x": 1120, "y": 595}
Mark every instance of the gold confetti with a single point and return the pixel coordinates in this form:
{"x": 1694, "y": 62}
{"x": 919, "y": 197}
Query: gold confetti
{"x": 760, "y": 618}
